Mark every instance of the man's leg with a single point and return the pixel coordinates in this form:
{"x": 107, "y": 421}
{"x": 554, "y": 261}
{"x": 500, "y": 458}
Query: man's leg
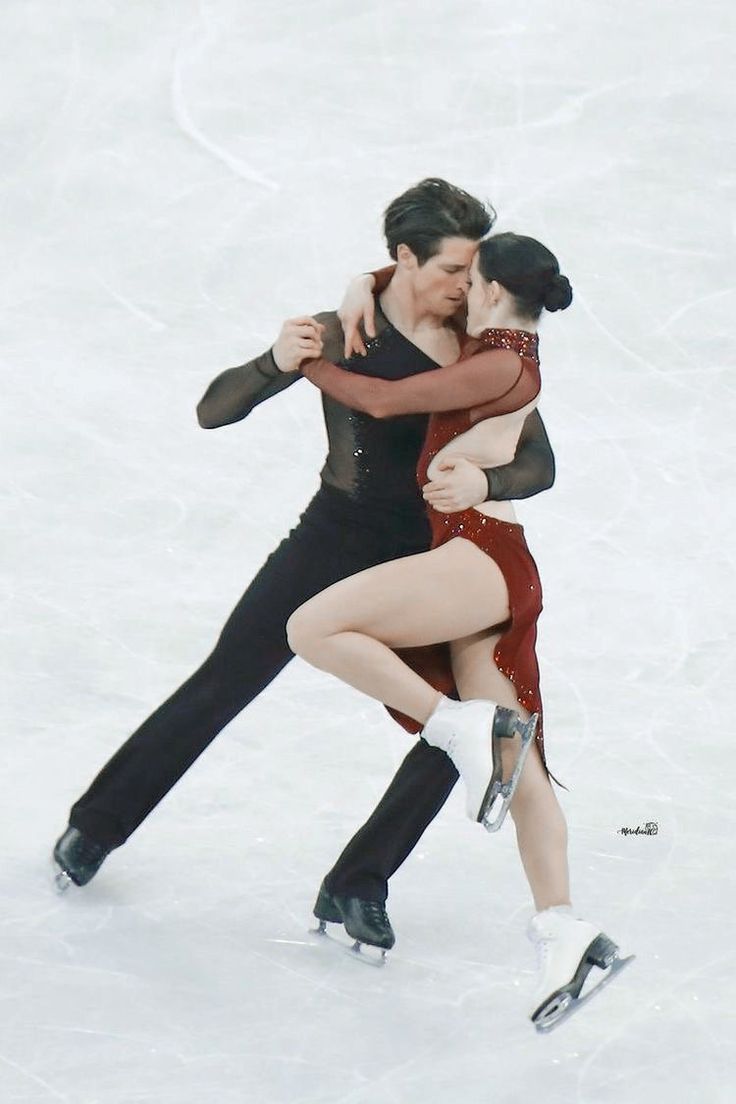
{"x": 251, "y": 651}
{"x": 415, "y": 796}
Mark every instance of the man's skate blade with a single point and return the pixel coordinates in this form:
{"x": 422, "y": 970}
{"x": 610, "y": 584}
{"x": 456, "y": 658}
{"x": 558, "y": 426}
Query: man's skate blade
{"x": 368, "y": 954}
{"x": 62, "y": 880}
{"x": 360, "y": 952}
{"x": 566, "y": 1008}
{"x": 505, "y": 790}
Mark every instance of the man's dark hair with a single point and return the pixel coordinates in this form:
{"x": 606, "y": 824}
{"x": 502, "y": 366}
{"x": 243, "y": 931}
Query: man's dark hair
{"x": 430, "y": 211}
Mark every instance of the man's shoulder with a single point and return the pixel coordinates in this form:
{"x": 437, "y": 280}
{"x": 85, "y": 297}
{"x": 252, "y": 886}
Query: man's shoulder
{"x": 328, "y": 318}
{"x": 333, "y": 337}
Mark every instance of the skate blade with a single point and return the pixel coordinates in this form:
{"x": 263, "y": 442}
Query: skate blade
{"x": 62, "y": 881}
{"x": 566, "y": 1005}
{"x": 362, "y": 952}
{"x": 506, "y": 790}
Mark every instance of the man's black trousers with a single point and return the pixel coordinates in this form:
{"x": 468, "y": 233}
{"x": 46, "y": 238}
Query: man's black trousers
{"x": 332, "y": 540}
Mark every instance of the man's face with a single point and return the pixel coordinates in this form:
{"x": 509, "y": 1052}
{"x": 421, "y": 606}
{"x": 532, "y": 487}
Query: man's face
{"x": 441, "y": 283}
{"x": 477, "y": 300}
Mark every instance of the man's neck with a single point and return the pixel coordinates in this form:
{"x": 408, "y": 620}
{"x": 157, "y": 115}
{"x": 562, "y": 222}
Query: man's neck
{"x": 435, "y": 335}
{"x": 405, "y": 310}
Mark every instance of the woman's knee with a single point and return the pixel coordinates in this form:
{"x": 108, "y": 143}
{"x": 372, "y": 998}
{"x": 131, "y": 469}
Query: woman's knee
{"x": 306, "y": 629}
{"x": 300, "y": 631}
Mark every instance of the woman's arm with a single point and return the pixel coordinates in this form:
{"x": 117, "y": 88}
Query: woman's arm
{"x": 499, "y": 380}
{"x": 358, "y": 308}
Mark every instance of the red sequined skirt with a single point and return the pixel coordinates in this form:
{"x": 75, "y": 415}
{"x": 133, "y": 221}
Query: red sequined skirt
{"x": 515, "y": 653}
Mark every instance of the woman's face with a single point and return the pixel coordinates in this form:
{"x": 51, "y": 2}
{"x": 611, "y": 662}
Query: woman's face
{"x": 477, "y": 301}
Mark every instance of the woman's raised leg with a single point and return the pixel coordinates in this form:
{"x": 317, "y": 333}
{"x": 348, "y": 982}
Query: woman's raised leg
{"x": 351, "y": 628}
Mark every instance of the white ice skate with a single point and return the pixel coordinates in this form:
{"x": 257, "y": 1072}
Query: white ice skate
{"x": 567, "y": 951}
{"x": 472, "y": 734}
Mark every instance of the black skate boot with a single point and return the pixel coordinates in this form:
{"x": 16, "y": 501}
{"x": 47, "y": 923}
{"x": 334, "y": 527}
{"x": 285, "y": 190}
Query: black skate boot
{"x": 365, "y": 921}
{"x": 78, "y": 858}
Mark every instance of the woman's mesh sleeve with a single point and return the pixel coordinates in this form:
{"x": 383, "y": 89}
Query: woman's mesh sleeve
{"x": 493, "y": 382}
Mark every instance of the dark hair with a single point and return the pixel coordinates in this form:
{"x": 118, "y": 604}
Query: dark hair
{"x": 528, "y": 270}
{"x": 430, "y": 211}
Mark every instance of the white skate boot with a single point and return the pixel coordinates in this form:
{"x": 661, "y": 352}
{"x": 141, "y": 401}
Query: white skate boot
{"x": 472, "y": 733}
{"x": 567, "y": 950}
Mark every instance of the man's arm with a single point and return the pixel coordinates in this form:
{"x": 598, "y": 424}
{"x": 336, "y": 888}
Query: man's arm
{"x": 460, "y": 484}
{"x": 234, "y": 393}
{"x": 533, "y": 468}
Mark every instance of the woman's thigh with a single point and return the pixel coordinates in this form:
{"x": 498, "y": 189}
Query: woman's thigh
{"x": 450, "y": 592}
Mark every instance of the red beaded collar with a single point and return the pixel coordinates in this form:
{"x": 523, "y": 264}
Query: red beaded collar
{"x": 520, "y": 341}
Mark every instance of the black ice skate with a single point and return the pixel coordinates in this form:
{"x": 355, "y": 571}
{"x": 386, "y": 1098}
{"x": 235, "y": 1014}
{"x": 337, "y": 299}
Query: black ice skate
{"x": 77, "y": 858}
{"x": 365, "y": 921}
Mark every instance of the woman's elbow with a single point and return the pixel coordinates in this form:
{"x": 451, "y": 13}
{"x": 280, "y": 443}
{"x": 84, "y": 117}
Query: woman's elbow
{"x": 379, "y": 409}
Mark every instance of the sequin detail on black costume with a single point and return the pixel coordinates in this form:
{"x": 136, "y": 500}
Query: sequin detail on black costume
{"x": 374, "y": 460}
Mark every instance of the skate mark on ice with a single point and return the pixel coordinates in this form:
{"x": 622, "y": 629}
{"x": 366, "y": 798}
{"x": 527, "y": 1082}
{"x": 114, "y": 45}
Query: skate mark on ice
{"x": 188, "y": 127}
{"x": 308, "y": 978}
{"x": 291, "y": 942}
{"x": 372, "y": 956}
{"x": 650, "y": 366}
{"x": 718, "y": 968}
{"x": 133, "y": 309}
{"x": 77, "y": 966}
{"x": 31, "y": 1076}
{"x": 664, "y": 326}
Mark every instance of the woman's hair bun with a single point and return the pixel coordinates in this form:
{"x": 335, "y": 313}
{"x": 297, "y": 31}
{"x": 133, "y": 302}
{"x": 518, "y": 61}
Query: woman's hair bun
{"x": 559, "y": 294}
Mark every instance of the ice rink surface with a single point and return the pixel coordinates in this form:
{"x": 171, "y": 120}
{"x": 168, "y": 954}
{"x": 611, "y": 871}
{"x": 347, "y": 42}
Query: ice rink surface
{"x": 178, "y": 177}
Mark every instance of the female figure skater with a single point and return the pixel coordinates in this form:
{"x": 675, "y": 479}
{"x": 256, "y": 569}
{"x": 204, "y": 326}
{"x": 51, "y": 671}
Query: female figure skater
{"x": 476, "y": 591}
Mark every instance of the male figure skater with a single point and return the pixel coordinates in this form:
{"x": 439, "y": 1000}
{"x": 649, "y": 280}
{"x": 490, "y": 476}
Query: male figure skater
{"x": 367, "y": 510}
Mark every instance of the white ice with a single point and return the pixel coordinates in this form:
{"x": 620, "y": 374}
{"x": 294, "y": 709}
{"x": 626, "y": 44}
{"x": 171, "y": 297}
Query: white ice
{"x": 177, "y": 177}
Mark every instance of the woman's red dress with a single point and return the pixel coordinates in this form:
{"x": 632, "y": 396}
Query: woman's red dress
{"x": 515, "y": 653}
{"x": 483, "y": 386}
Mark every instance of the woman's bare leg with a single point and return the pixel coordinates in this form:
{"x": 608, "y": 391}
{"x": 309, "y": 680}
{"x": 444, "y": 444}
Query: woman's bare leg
{"x": 541, "y": 830}
{"x": 351, "y": 628}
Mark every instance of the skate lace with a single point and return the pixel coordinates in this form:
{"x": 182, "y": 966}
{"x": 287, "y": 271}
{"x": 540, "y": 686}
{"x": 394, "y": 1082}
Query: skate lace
{"x": 452, "y": 741}
{"x": 542, "y": 948}
{"x": 88, "y": 851}
{"x": 376, "y": 911}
